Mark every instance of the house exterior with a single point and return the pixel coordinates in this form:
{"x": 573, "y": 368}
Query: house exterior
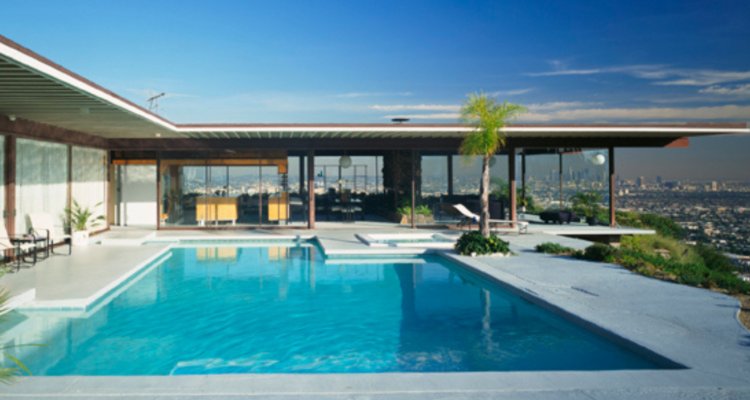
{"x": 64, "y": 138}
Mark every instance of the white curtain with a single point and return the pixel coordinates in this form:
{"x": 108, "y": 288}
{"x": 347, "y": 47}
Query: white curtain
{"x": 2, "y": 177}
{"x": 41, "y": 181}
{"x": 89, "y": 180}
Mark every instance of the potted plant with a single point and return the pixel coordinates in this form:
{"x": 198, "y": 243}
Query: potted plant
{"x": 588, "y": 204}
{"x": 81, "y": 220}
{"x": 422, "y": 213}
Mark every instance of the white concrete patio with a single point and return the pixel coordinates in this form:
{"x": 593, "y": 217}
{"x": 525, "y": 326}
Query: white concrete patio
{"x": 681, "y": 325}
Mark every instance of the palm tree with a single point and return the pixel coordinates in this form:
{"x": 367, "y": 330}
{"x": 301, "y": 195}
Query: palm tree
{"x": 489, "y": 119}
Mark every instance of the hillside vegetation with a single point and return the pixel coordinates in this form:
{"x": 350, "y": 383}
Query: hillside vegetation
{"x": 662, "y": 256}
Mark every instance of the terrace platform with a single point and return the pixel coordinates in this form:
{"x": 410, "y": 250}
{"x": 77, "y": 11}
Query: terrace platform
{"x": 687, "y": 326}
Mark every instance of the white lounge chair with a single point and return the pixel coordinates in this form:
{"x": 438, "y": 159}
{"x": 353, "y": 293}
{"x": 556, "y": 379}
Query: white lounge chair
{"x": 43, "y": 225}
{"x": 19, "y": 247}
{"x": 470, "y": 217}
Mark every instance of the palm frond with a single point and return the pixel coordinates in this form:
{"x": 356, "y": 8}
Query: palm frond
{"x": 81, "y": 219}
{"x": 489, "y": 119}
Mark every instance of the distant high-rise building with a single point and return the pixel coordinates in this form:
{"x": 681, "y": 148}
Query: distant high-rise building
{"x": 640, "y": 181}
{"x": 714, "y": 186}
{"x": 658, "y": 180}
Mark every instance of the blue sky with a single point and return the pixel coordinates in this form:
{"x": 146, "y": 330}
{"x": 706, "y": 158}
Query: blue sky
{"x": 568, "y": 61}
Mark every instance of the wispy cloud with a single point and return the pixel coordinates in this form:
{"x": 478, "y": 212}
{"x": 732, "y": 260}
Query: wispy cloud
{"x": 663, "y": 74}
{"x": 453, "y": 116}
{"x": 416, "y": 107}
{"x": 514, "y": 92}
{"x": 373, "y": 94}
{"x": 738, "y": 90}
{"x": 558, "y": 65}
{"x": 727, "y": 112}
{"x": 571, "y": 111}
{"x": 557, "y": 105}
{"x": 560, "y": 105}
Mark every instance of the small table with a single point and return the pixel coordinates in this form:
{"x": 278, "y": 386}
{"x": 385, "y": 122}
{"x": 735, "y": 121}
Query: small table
{"x": 17, "y": 240}
{"x": 348, "y": 209}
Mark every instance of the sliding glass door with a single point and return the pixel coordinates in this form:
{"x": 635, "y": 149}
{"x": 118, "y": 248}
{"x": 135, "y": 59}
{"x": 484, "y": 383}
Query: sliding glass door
{"x": 244, "y": 188}
{"x": 184, "y": 192}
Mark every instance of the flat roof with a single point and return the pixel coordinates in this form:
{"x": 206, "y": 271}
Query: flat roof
{"x": 36, "y": 89}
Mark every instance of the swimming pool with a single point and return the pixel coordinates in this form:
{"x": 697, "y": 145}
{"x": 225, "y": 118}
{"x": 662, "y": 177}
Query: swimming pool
{"x": 287, "y": 309}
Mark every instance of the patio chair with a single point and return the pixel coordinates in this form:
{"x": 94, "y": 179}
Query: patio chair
{"x": 42, "y": 225}
{"x": 20, "y": 249}
{"x": 470, "y": 217}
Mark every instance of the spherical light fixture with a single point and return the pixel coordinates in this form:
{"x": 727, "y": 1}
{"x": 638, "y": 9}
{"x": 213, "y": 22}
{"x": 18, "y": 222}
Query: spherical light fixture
{"x": 598, "y": 159}
{"x": 345, "y": 162}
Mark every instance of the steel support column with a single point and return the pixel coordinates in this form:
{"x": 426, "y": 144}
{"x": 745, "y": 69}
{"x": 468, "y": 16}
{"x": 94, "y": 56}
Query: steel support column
{"x": 523, "y": 177}
{"x": 310, "y": 189}
{"x": 561, "y": 179}
{"x": 450, "y": 175}
{"x": 512, "y": 183}
{"x": 413, "y": 190}
{"x": 612, "y": 221}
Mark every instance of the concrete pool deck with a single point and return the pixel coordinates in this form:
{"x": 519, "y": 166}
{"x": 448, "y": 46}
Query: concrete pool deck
{"x": 693, "y": 327}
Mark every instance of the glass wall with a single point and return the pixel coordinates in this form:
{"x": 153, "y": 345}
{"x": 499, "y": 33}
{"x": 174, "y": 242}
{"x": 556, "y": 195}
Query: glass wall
{"x": 89, "y": 180}
{"x": 467, "y": 172}
{"x": 543, "y": 180}
{"x": 41, "y": 181}
{"x": 582, "y": 171}
{"x": 348, "y": 194}
{"x": 245, "y": 188}
{"x": 586, "y": 173}
{"x": 433, "y": 177}
{"x": 184, "y": 190}
{"x": 230, "y": 189}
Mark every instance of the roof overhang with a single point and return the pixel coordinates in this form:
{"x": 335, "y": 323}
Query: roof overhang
{"x": 337, "y": 131}
{"x": 36, "y": 89}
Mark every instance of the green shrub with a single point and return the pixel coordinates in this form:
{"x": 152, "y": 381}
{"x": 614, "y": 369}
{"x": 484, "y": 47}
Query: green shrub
{"x": 662, "y": 225}
{"x": 553, "y": 248}
{"x": 714, "y": 259}
{"x": 474, "y": 242}
{"x": 588, "y": 204}
{"x": 419, "y": 210}
{"x": 650, "y": 243}
{"x": 601, "y": 252}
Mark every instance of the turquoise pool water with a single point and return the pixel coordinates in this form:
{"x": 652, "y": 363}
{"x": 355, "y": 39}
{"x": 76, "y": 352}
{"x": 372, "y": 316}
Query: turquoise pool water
{"x": 286, "y": 309}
